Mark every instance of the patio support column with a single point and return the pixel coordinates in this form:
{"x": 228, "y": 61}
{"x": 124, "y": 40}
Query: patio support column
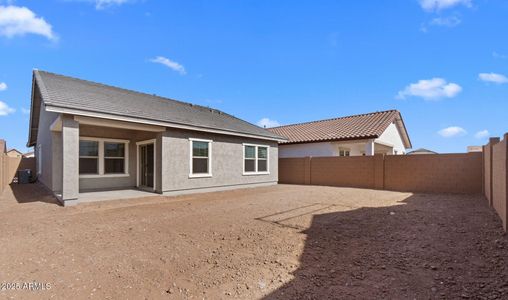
{"x": 163, "y": 160}
{"x": 369, "y": 148}
{"x": 70, "y": 160}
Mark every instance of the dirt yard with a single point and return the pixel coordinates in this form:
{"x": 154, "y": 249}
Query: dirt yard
{"x": 280, "y": 242}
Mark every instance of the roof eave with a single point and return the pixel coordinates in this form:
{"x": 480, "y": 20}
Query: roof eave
{"x": 30, "y": 142}
{"x": 80, "y": 112}
{"x": 332, "y": 140}
{"x": 400, "y": 123}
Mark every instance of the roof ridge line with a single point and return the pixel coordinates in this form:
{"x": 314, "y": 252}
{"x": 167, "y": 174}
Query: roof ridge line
{"x": 134, "y": 91}
{"x": 337, "y": 118}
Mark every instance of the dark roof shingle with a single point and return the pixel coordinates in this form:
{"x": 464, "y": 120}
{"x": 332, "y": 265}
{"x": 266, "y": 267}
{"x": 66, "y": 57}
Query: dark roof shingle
{"x": 364, "y": 126}
{"x": 67, "y": 92}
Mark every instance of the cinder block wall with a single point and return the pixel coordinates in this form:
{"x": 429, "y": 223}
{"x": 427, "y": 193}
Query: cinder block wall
{"x": 440, "y": 173}
{"x": 292, "y": 170}
{"x": 9, "y": 166}
{"x": 499, "y": 182}
{"x": 435, "y": 173}
{"x": 357, "y": 171}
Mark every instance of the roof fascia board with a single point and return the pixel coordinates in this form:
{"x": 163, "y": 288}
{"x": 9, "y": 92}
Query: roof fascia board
{"x": 29, "y": 142}
{"x": 118, "y": 124}
{"x": 353, "y": 139}
{"x": 79, "y": 112}
{"x": 402, "y": 128}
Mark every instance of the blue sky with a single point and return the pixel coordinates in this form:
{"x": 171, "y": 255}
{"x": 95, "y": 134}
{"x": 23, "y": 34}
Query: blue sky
{"x": 442, "y": 63}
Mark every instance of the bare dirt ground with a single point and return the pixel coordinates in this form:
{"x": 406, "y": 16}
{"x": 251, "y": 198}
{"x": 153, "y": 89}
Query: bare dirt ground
{"x": 280, "y": 242}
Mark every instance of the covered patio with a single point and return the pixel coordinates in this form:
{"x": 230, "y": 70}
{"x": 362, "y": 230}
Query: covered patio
{"x": 103, "y": 159}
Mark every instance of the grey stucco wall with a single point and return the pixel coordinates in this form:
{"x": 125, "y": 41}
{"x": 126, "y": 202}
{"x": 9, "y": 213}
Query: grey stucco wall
{"x": 227, "y": 161}
{"x": 172, "y": 159}
{"x": 70, "y": 158}
{"x": 133, "y": 136}
{"x": 45, "y": 141}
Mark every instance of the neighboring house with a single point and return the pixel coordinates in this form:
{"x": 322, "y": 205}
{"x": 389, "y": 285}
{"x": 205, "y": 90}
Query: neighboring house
{"x": 366, "y": 134}
{"x": 14, "y": 153}
{"x": 29, "y": 154}
{"x": 474, "y": 149}
{"x": 89, "y": 136}
{"x": 421, "y": 151}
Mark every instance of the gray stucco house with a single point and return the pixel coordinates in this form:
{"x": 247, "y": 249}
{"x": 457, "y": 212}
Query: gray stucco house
{"x": 89, "y": 136}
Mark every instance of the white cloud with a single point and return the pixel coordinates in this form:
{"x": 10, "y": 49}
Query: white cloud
{"x": 483, "y": 134}
{"x": 437, "y": 5}
{"x": 493, "y": 77}
{"x": 5, "y": 109}
{"x": 452, "y": 131}
{"x": 25, "y": 111}
{"x": 431, "y": 89}
{"x": 267, "y": 123}
{"x": 3, "y": 86}
{"x": 446, "y": 21}
{"x": 499, "y": 55}
{"x": 170, "y": 64}
{"x": 102, "y": 4}
{"x": 19, "y": 21}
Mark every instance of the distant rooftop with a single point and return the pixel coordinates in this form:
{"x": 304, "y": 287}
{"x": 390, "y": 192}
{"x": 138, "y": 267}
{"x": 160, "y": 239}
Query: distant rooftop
{"x": 421, "y": 151}
{"x": 364, "y": 126}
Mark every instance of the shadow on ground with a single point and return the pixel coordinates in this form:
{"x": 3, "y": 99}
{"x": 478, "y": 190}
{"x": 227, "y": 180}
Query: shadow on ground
{"x": 33, "y": 192}
{"x": 433, "y": 246}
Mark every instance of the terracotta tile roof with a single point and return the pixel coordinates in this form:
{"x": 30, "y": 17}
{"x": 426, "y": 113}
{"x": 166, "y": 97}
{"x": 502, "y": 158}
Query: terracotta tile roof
{"x": 364, "y": 126}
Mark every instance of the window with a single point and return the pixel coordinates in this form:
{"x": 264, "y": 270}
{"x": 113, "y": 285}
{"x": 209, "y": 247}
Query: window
{"x": 88, "y": 157}
{"x": 200, "y": 162}
{"x": 114, "y": 158}
{"x": 103, "y": 157}
{"x": 344, "y": 152}
{"x": 255, "y": 159}
{"x": 250, "y": 159}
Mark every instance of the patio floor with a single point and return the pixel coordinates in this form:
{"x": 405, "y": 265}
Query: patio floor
{"x": 114, "y": 195}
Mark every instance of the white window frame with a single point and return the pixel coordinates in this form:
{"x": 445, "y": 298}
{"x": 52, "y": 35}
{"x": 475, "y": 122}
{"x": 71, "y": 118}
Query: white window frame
{"x": 256, "y": 172}
{"x": 101, "y": 157}
{"x": 200, "y": 175}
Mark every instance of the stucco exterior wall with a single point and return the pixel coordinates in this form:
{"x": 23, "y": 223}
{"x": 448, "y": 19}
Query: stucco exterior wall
{"x": 227, "y": 162}
{"x": 323, "y": 149}
{"x": 45, "y": 142}
{"x": 172, "y": 166}
{"x": 133, "y": 136}
{"x": 392, "y": 137}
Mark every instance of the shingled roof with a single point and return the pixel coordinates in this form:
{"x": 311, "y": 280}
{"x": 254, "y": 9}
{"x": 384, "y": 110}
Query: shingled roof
{"x": 357, "y": 127}
{"x": 76, "y": 96}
